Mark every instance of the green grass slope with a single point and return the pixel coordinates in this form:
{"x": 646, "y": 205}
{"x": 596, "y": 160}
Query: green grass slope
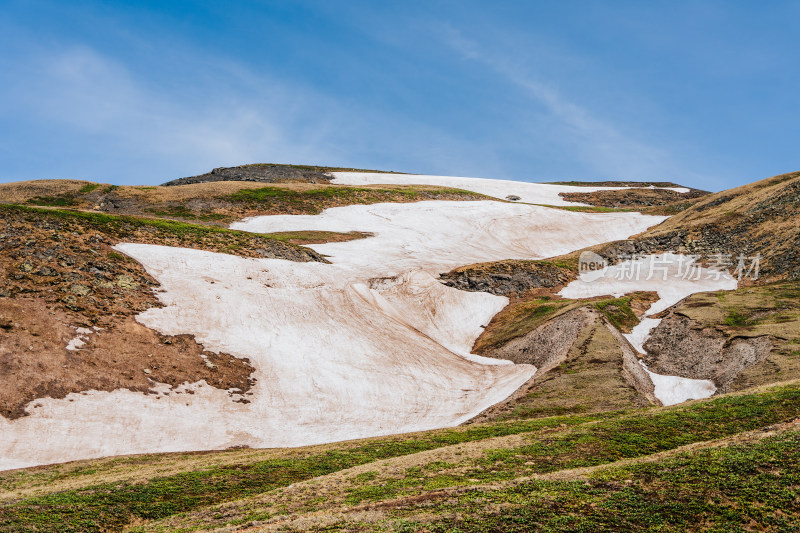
{"x": 697, "y": 465}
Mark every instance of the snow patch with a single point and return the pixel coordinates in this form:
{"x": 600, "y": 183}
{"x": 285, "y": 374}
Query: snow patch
{"x": 532, "y": 193}
{"x": 672, "y": 390}
{"x": 369, "y": 345}
{"x": 641, "y": 332}
{"x": 673, "y": 277}
{"x": 79, "y": 341}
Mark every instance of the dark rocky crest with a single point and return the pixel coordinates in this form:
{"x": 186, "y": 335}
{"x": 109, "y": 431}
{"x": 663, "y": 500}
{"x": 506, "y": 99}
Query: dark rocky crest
{"x": 263, "y": 173}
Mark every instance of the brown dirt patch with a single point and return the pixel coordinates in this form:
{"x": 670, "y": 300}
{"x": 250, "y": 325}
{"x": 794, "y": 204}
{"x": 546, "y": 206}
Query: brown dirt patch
{"x": 35, "y": 362}
{"x": 59, "y": 273}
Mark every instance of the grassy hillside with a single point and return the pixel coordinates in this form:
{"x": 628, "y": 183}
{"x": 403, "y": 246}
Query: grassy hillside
{"x": 730, "y": 463}
{"x": 759, "y": 218}
{"x": 737, "y": 339}
{"x": 215, "y": 203}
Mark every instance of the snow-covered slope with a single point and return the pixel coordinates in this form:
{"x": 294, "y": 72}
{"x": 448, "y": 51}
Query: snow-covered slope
{"x": 369, "y": 345}
{"x": 673, "y": 277}
{"x": 532, "y": 193}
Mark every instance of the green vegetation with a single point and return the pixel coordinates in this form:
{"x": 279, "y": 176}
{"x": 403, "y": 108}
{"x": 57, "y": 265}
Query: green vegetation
{"x": 624, "y": 436}
{"x": 315, "y": 200}
{"x": 315, "y": 236}
{"x": 737, "y": 488}
{"x": 590, "y": 208}
{"x": 618, "y": 311}
{"x": 110, "y": 506}
{"x": 89, "y": 187}
{"x": 548, "y": 445}
{"x": 736, "y": 319}
{"x": 519, "y": 318}
{"x": 170, "y": 232}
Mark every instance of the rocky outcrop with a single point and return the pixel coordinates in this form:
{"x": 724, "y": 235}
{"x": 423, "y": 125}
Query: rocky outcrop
{"x": 583, "y": 365}
{"x": 507, "y": 278}
{"x": 679, "y": 346}
{"x": 546, "y": 346}
{"x": 262, "y": 173}
{"x": 632, "y": 198}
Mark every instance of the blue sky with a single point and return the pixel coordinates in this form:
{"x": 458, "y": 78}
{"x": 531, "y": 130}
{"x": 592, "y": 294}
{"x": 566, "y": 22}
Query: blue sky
{"x": 700, "y": 92}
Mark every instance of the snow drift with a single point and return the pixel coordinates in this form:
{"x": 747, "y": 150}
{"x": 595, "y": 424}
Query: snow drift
{"x": 369, "y": 345}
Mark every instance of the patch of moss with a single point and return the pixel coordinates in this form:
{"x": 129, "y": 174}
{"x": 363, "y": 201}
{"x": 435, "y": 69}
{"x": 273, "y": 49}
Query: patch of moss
{"x": 518, "y": 319}
{"x": 89, "y": 187}
{"x": 618, "y": 311}
{"x": 64, "y": 200}
{"x": 736, "y": 319}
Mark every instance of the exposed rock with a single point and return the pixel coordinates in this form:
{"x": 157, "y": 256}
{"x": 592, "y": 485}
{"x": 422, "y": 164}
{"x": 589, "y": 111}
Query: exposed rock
{"x": 679, "y": 346}
{"x": 632, "y": 198}
{"x": 507, "y": 278}
{"x": 263, "y": 173}
{"x": 546, "y": 346}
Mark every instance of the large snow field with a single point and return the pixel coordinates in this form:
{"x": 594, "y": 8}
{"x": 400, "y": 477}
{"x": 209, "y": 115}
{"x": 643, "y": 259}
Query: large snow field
{"x": 532, "y": 193}
{"x": 437, "y": 236}
{"x": 369, "y": 345}
{"x": 673, "y": 277}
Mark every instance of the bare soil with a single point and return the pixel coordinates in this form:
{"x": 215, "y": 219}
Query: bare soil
{"x": 679, "y": 346}
{"x": 59, "y": 273}
{"x": 35, "y": 362}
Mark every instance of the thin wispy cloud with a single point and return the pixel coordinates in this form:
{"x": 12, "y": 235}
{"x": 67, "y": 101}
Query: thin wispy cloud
{"x": 227, "y": 115}
{"x": 248, "y": 119}
{"x": 598, "y": 143}
{"x": 538, "y": 90}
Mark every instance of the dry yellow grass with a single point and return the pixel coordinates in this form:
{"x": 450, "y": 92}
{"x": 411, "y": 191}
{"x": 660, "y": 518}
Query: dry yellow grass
{"x": 22, "y": 191}
{"x": 156, "y": 194}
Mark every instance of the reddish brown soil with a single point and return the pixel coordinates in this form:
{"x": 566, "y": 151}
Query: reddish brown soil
{"x": 60, "y": 274}
{"x": 35, "y": 362}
